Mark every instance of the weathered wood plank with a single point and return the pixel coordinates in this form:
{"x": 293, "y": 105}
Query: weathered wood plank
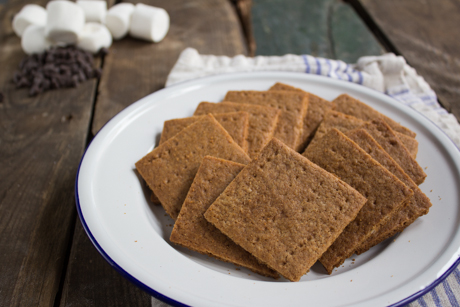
{"x": 350, "y": 36}
{"x": 324, "y": 28}
{"x": 41, "y": 141}
{"x": 132, "y": 70}
{"x": 147, "y": 65}
{"x": 91, "y": 281}
{"x": 243, "y": 7}
{"x": 426, "y": 34}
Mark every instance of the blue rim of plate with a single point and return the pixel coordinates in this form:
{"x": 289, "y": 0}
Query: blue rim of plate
{"x": 173, "y": 302}
{"x": 118, "y": 268}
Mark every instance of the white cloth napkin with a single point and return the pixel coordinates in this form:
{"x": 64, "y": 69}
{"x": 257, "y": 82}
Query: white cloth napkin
{"x": 387, "y": 73}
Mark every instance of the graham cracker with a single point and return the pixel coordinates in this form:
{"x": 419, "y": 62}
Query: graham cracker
{"x": 236, "y": 124}
{"x": 262, "y": 121}
{"x": 194, "y": 232}
{"x": 385, "y": 136}
{"x": 410, "y": 143}
{"x": 170, "y": 168}
{"x": 418, "y": 205}
{"x": 293, "y": 106}
{"x": 351, "y": 106}
{"x": 154, "y": 199}
{"x": 344, "y": 122}
{"x": 385, "y": 193}
{"x": 284, "y": 210}
{"x": 317, "y": 108}
{"x": 340, "y": 121}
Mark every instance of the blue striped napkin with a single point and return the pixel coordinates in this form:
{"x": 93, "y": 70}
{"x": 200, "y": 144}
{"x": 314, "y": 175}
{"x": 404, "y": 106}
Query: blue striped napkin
{"x": 387, "y": 73}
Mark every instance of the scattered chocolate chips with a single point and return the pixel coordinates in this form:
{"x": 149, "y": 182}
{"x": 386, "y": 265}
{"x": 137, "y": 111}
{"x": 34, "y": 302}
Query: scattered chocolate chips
{"x": 58, "y": 67}
{"x": 103, "y": 52}
{"x": 1, "y": 97}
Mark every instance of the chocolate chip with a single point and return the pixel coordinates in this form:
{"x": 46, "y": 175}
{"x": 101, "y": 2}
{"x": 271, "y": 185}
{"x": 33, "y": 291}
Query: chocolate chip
{"x": 74, "y": 81}
{"x": 23, "y": 82}
{"x": 35, "y": 89}
{"x": 81, "y": 76}
{"x": 54, "y": 83}
{"x": 16, "y": 77}
{"x": 103, "y": 52}
{"x": 97, "y": 73}
{"x": 46, "y": 85}
{"x": 56, "y": 68}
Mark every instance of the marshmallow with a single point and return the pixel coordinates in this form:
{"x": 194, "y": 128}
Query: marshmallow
{"x": 149, "y": 23}
{"x": 95, "y": 10}
{"x": 65, "y": 21}
{"x": 30, "y": 14}
{"x": 94, "y": 37}
{"x": 118, "y": 19}
{"x": 34, "y": 40}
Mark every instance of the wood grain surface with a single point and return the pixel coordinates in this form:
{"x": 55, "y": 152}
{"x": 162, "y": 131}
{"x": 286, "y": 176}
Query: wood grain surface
{"x": 244, "y": 8}
{"x": 426, "y": 34}
{"x": 91, "y": 281}
{"x": 41, "y": 142}
{"x": 324, "y": 28}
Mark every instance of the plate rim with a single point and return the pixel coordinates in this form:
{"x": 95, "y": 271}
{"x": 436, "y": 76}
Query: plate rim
{"x": 174, "y": 302}
{"x": 112, "y": 263}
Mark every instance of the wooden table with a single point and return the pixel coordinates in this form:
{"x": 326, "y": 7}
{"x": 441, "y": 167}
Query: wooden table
{"x": 46, "y": 257}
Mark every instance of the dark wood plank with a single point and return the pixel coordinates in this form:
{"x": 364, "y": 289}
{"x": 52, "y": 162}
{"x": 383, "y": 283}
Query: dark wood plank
{"x": 132, "y": 70}
{"x": 147, "y": 65}
{"x": 42, "y": 140}
{"x": 324, "y": 28}
{"x": 244, "y": 7}
{"x": 426, "y": 34}
{"x": 91, "y": 281}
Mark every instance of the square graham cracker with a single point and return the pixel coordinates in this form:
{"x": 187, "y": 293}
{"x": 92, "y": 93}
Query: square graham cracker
{"x": 337, "y": 120}
{"x": 236, "y": 124}
{"x": 351, "y": 106}
{"x": 293, "y": 106}
{"x": 317, "y": 108}
{"x": 170, "y": 168}
{"x": 194, "y": 232}
{"x": 385, "y": 193}
{"x": 344, "y": 122}
{"x": 410, "y": 143}
{"x": 418, "y": 205}
{"x": 262, "y": 121}
{"x": 285, "y": 210}
{"x": 385, "y": 136}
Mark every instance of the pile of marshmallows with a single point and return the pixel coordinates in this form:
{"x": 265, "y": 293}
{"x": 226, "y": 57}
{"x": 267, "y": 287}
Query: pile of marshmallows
{"x": 87, "y": 24}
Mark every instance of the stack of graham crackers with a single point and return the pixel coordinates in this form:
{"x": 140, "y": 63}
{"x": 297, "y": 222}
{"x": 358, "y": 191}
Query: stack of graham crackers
{"x": 234, "y": 180}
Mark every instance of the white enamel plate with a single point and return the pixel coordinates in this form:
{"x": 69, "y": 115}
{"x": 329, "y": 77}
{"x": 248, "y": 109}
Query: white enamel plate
{"x": 133, "y": 234}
